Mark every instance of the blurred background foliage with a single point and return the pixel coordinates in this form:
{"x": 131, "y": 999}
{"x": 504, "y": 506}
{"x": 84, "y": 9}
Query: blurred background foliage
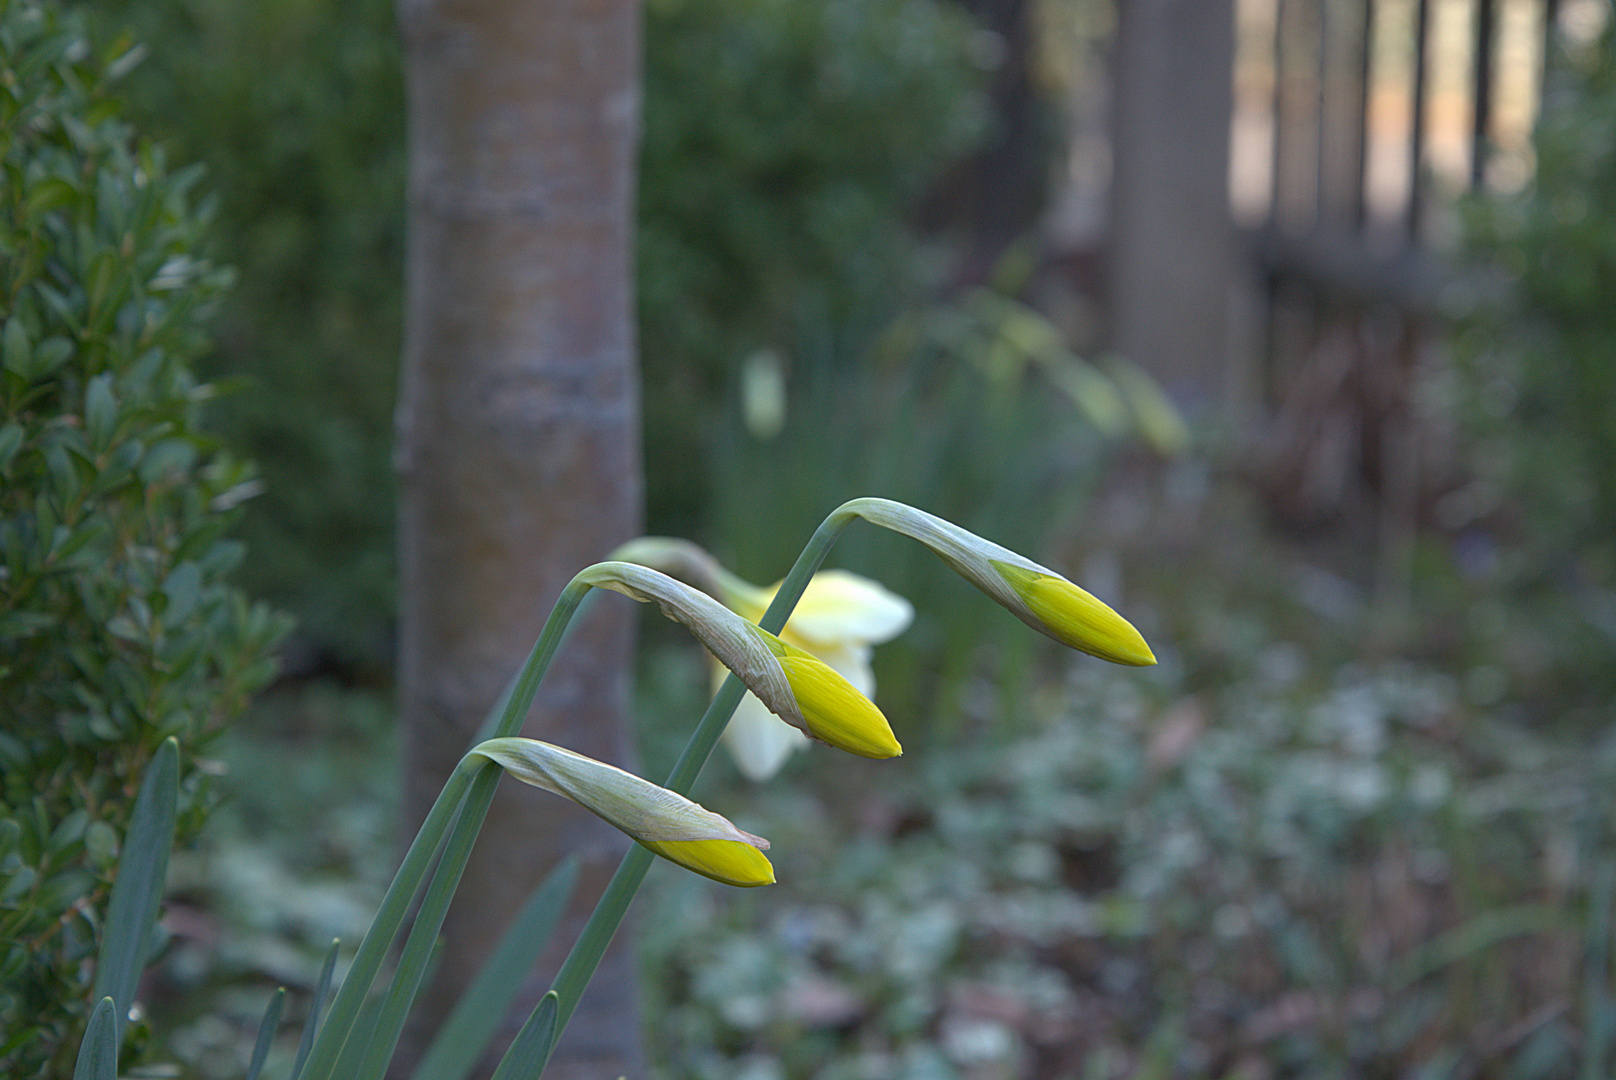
{"x": 1301, "y": 847}
{"x": 297, "y": 112}
{"x": 1536, "y": 373}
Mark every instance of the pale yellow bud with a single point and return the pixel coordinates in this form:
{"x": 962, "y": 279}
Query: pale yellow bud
{"x": 664, "y": 821}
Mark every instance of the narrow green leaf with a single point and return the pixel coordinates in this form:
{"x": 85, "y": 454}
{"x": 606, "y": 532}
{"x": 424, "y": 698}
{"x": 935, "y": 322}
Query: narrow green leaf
{"x": 385, "y": 925}
{"x": 531, "y": 1049}
{"x": 315, "y": 1005}
{"x": 460, "y": 1042}
{"x": 434, "y": 905}
{"x": 137, "y": 891}
{"x": 390, "y": 915}
{"x": 362, "y": 1039}
{"x": 266, "y": 1033}
{"x": 98, "y": 1053}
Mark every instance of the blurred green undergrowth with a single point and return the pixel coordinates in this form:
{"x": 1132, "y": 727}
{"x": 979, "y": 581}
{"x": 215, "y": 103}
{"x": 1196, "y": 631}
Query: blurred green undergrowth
{"x": 1274, "y": 856}
{"x": 1536, "y": 379}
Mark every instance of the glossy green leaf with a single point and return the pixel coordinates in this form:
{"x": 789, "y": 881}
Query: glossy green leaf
{"x": 11, "y": 436}
{"x": 15, "y": 349}
{"x": 100, "y": 411}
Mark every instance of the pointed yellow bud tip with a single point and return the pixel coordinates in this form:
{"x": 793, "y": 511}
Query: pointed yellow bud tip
{"x": 728, "y": 861}
{"x": 1074, "y": 617}
{"x": 834, "y": 711}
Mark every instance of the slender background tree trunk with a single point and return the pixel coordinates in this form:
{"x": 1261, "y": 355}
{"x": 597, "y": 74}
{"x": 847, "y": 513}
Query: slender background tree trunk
{"x": 518, "y": 445}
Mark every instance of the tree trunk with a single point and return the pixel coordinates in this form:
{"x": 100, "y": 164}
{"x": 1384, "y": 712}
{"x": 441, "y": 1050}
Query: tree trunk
{"x": 518, "y": 448}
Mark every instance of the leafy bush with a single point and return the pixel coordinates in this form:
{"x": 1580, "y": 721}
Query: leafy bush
{"x": 1536, "y": 368}
{"x": 117, "y": 626}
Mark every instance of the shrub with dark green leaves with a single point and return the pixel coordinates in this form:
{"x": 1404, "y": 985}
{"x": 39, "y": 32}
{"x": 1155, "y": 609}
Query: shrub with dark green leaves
{"x": 117, "y": 625}
{"x": 1537, "y": 379}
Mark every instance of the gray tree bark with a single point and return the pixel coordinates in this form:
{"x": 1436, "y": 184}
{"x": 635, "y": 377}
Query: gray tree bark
{"x": 518, "y": 449}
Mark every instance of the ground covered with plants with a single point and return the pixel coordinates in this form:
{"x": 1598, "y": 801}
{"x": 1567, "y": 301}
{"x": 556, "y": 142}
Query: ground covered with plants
{"x": 1283, "y": 852}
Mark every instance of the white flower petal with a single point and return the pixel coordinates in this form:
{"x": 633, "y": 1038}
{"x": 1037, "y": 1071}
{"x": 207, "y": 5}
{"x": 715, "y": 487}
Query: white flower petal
{"x": 760, "y": 742}
{"x": 838, "y": 606}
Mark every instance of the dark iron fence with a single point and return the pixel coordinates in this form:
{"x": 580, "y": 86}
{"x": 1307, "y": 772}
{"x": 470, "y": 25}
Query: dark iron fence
{"x": 1379, "y": 114}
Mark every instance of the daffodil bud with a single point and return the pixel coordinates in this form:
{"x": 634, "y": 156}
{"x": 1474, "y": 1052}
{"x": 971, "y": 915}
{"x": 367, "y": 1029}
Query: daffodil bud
{"x": 798, "y": 688}
{"x": 663, "y": 821}
{"x": 1035, "y": 594}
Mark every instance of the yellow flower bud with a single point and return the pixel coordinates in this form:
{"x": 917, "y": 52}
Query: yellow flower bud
{"x": 1034, "y": 594}
{"x": 797, "y": 687}
{"x": 729, "y": 861}
{"x": 664, "y": 821}
{"x": 832, "y": 710}
{"x": 1073, "y": 617}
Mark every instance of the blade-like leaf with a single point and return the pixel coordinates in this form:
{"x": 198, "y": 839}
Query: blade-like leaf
{"x": 361, "y": 1042}
{"x": 137, "y": 892}
{"x": 98, "y": 1053}
{"x": 315, "y": 1006}
{"x": 423, "y": 936}
{"x": 266, "y": 1033}
{"x": 527, "y": 1056}
{"x": 461, "y": 1040}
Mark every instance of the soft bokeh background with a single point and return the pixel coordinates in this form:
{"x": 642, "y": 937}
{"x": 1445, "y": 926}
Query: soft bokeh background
{"x": 1358, "y": 821}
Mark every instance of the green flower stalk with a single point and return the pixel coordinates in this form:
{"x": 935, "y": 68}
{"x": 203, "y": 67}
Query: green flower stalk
{"x": 664, "y": 822}
{"x": 1035, "y": 594}
{"x": 795, "y": 685}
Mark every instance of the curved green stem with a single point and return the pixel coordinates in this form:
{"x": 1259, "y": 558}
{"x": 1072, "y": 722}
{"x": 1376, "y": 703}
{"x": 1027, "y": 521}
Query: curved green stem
{"x": 619, "y": 893}
{"x": 507, "y": 717}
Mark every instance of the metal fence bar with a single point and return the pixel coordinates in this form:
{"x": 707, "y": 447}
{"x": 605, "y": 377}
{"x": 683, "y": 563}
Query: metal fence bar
{"x": 1414, "y": 212}
{"x": 1481, "y": 112}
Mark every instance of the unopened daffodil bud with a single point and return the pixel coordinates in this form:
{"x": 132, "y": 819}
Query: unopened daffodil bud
{"x": 839, "y": 617}
{"x": 1035, "y": 594}
{"x": 664, "y": 821}
{"x": 798, "y": 688}
{"x": 838, "y": 620}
